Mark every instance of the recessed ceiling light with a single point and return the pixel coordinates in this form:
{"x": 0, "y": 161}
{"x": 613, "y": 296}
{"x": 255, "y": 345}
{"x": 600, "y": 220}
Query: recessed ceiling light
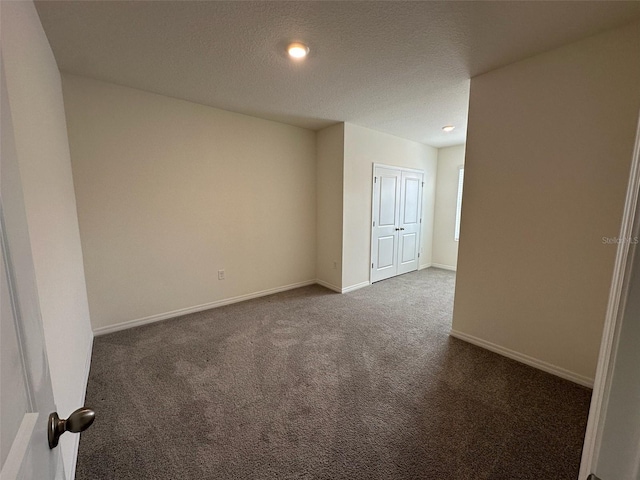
{"x": 297, "y": 50}
{"x": 448, "y": 128}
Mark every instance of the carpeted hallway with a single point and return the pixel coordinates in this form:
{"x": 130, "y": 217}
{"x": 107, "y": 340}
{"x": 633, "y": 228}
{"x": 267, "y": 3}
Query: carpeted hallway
{"x": 310, "y": 384}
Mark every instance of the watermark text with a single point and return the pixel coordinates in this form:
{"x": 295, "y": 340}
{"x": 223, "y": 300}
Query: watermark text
{"x": 619, "y": 240}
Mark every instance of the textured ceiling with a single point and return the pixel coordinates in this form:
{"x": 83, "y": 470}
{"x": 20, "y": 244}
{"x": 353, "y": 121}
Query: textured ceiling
{"x": 397, "y": 67}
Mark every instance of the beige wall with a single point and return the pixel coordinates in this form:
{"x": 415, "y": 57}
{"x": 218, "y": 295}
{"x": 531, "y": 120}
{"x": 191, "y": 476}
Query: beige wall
{"x": 329, "y": 208}
{"x": 445, "y": 248}
{"x": 362, "y": 148}
{"x": 549, "y": 146}
{"x": 35, "y": 98}
{"x": 169, "y": 192}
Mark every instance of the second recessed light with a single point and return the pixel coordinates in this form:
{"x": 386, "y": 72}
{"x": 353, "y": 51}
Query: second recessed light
{"x": 298, "y": 50}
{"x": 448, "y": 128}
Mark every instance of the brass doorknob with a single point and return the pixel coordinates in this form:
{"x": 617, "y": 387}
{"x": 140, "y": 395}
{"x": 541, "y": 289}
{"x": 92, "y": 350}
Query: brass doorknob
{"x": 77, "y": 422}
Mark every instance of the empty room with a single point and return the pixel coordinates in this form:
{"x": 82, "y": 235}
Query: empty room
{"x": 320, "y": 240}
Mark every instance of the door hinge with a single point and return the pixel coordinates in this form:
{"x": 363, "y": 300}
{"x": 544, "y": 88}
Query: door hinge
{"x": 420, "y": 220}
{"x": 423, "y": 184}
{"x": 418, "y": 255}
{"x": 375, "y": 179}
{"x": 372, "y": 265}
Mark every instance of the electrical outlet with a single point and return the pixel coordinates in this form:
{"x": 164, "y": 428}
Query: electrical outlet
{"x": 220, "y": 274}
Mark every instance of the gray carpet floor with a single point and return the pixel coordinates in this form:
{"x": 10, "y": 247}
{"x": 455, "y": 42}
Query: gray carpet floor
{"x": 310, "y": 384}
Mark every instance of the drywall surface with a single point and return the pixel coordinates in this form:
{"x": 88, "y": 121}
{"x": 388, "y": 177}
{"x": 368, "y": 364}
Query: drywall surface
{"x": 35, "y": 97}
{"x": 547, "y": 161}
{"x": 170, "y": 192}
{"x": 445, "y": 247}
{"x": 362, "y": 148}
{"x": 330, "y": 158}
{"x": 619, "y": 455}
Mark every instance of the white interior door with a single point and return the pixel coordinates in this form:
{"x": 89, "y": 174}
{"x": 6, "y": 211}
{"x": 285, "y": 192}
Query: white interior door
{"x": 396, "y": 221}
{"x": 619, "y": 447}
{"x": 385, "y": 226}
{"x": 612, "y": 441}
{"x": 410, "y": 221}
{"x": 26, "y": 393}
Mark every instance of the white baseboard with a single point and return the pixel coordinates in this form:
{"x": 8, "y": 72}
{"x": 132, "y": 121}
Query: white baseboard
{"x": 198, "y": 308}
{"x": 426, "y": 265}
{"x": 328, "y": 285}
{"x": 444, "y": 267}
{"x": 357, "y": 286}
{"x": 335, "y": 288}
{"x": 527, "y": 360}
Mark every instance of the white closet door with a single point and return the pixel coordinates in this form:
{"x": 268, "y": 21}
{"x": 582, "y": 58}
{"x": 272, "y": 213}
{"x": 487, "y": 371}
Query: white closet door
{"x": 385, "y": 227}
{"x": 396, "y": 223}
{"x": 410, "y": 222}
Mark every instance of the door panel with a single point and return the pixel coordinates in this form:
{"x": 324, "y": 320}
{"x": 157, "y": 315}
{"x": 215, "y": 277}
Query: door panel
{"x": 386, "y": 251}
{"x": 408, "y": 247}
{"x": 412, "y": 188}
{"x": 388, "y": 200}
{"x": 13, "y": 394}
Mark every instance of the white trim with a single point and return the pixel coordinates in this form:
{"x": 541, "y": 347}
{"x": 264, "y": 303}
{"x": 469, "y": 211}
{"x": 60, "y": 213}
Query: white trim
{"x": 357, "y": 286}
{"x": 14, "y": 463}
{"x": 198, "y": 308}
{"x": 328, "y": 285}
{"x": 397, "y": 167}
{"x": 456, "y": 232}
{"x": 526, "y": 359}
{"x": 87, "y": 369}
{"x": 615, "y": 309}
{"x": 74, "y": 460}
{"x": 426, "y": 265}
{"x": 444, "y": 267}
